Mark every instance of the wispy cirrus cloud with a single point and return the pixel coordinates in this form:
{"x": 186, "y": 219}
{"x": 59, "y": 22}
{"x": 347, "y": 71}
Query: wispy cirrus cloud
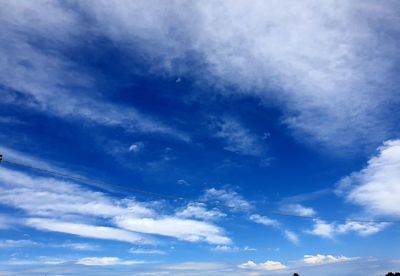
{"x": 80, "y": 246}
{"x": 230, "y": 249}
{"x": 323, "y": 91}
{"x": 264, "y": 220}
{"x": 52, "y": 82}
{"x": 131, "y": 221}
{"x": 87, "y": 230}
{"x": 199, "y": 210}
{"x": 298, "y": 210}
{"x": 17, "y": 243}
{"x": 238, "y": 139}
{"x": 144, "y": 251}
{"x": 182, "y": 229}
{"x": 228, "y": 198}
{"x": 291, "y": 236}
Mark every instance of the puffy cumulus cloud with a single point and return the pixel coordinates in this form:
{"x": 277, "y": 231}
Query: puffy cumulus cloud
{"x": 70, "y": 208}
{"x": 322, "y": 229}
{"x": 268, "y": 265}
{"x": 237, "y": 138}
{"x": 183, "y": 229}
{"x": 298, "y": 210}
{"x": 105, "y": 261}
{"x": 264, "y": 220}
{"x": 326, "y": 259}
{"x": 199, "y": 210}
{"x": 377, "y": 186}
{"x": 330, "y": 230}
{"x": 229, "y": 198}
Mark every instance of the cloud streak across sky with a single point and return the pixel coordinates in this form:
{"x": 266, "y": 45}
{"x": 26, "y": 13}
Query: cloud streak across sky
{"x": 238, "y": 120}
{"x": 324, "y": 83}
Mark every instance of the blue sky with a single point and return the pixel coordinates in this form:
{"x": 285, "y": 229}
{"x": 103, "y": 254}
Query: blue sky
{"x": 235, "y": 118}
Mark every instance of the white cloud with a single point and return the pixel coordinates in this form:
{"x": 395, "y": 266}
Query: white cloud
{"x": 291, "y": 236}
{"x": 144, "y": 251}
{"x": 314, "y": 65}
{"x": 28, "y": 243}
{"x": 105, "y": 261}
{"x": 248, "y": 248}
{"x": 72, "y": 202}
{"x": 51, "y": 82}
{"x": 230, "y": 199}
{"x": 19, "y": 157}
{"x": 268, "y": 265}
{"x": 136, "y": 147}
{"x": 362, "y": 228}
{"x": 264, "y": 220}
{"x": 230, "y": 249}
{"x": 80, "y": 246}
{"x": 41, "y": 260}
{"x": 17, "y": 243}
{"x": 88, "y": 231}
{"x": 377, "y": 186}
{"x": 322, "y": 229}
{"x": 182, "y": 182}
{"x": 237, "y": 138}
{"x": 226, "y": 248}
{"x": 330, "y": 230}
{"x": 26, "y": 192}
{"x": 183, "y": 229}
{"x": 326, "y": 259}
{"x": 298, "y": 209}
{"x": 199, "y": 210}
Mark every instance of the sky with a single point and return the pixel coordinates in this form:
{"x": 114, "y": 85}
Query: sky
{"x": 218, "y": 137}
